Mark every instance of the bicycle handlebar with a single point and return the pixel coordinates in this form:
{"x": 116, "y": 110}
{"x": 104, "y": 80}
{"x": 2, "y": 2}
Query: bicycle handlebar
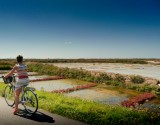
{"x": 1, "y": 76}
{"x": 9, "y": 79}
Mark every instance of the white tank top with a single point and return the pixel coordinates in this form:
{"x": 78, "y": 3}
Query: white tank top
{"x": 22, "y": 71}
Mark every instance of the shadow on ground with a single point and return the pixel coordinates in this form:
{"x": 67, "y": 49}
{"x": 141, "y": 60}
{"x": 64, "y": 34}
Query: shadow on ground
{"x": 38, "y": 116}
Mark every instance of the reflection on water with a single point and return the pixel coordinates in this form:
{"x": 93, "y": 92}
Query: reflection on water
{"x": 148, "y": 70}
{"x": 56, "y": 84}
{"x": 51, "y": 85}
{"x": 109, "y": 97}
{"x": 152, "y": 105}
{"x": 37, "y": 77}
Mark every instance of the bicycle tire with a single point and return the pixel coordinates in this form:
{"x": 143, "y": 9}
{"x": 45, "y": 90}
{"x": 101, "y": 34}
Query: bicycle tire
{"x": 9, "y": 95}
{"x": 30, "y": 101}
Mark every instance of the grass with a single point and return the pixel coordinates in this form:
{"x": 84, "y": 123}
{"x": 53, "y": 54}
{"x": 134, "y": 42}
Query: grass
{"x": 91, "y": 112}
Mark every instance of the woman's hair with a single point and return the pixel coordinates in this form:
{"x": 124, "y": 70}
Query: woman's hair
{"x": 19, "y": 58}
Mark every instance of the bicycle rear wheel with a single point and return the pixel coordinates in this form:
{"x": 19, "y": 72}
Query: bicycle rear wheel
{"x": 30, "y": 101}
{"x": 9, "y": 95}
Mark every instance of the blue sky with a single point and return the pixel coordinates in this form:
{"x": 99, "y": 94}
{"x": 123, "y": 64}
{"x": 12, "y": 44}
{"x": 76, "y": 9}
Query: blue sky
{"x": 80, "y": 28}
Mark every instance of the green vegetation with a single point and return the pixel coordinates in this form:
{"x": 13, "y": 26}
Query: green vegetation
{"x": 137, "y": 79}
{"x": 91, "y": 112}
{"x": 102, "y": 78}
{"x": 144, "y": 88}
{"x": 128, "y": 61}
{"x": 5, "y": 65}
{"x": 119, "y": 78}
{"x": 83, "y": 60}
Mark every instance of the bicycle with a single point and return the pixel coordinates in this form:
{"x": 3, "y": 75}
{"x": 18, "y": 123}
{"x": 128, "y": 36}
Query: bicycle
{"x": 28, "y": 97}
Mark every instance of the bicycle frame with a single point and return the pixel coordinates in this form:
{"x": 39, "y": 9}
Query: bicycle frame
{"x": 28, "y": 96}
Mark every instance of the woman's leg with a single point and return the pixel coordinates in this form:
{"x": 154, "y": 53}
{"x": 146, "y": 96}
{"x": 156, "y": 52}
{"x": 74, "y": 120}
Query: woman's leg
{"x": 17, "y": 93}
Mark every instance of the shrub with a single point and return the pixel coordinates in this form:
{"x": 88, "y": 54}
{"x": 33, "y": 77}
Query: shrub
{"x": 114, "y": 83}
{"x": 5, "y": 67}
{"x": 137, "y": 79}
{"x": 103, "y": 78}
{"x": 119, "y": 78}
{"x": 144, "y": 89}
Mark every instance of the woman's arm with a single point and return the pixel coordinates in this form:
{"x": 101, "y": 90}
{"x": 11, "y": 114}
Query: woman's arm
{"x": 11, "y": 72}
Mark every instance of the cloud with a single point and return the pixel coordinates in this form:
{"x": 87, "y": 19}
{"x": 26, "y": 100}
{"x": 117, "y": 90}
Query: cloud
{"x": 68, "y": 43}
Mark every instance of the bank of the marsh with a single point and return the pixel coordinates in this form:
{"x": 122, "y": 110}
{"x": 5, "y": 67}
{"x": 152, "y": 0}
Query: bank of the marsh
{"x": 88, "y": 111}
{"x": 91, "y": 112}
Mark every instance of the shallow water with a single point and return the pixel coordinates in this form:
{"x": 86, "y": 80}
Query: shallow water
{"x": 102, "y": 95}
{"x": 109, "y": 97}
{"x": 37, "y": 77}
{"x": 51, "y": 85}
{"x": 147, "y": 70}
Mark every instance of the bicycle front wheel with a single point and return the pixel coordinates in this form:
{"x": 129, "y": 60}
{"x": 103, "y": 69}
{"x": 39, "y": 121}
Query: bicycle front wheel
{"x": 9, "y": 95}
{"x": 30, "y": 101}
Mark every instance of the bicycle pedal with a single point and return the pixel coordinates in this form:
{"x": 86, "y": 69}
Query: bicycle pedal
{"x": 22, "y": 102}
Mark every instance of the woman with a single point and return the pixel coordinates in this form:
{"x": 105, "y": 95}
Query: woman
{"x": 23, "y": 79}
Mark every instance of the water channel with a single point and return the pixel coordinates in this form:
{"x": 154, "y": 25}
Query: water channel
{"x": 105, "y": 95}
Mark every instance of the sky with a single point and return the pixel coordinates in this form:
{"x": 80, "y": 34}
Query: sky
{"x": 80, "y": 28}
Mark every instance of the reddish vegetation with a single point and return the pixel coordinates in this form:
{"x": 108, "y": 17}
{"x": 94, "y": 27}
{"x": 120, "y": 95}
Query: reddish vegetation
{"x": 74, "y": 88}
{"x": 48, "y": 78}
{"x": 140, "y": 99}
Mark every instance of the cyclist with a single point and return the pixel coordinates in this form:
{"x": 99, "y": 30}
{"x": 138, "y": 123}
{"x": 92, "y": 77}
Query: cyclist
{"x": 23, "y": 79}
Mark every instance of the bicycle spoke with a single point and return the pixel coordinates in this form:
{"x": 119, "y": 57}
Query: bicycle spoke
{"x": 31, "y": 101}
{"x": 9, "y": 95}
